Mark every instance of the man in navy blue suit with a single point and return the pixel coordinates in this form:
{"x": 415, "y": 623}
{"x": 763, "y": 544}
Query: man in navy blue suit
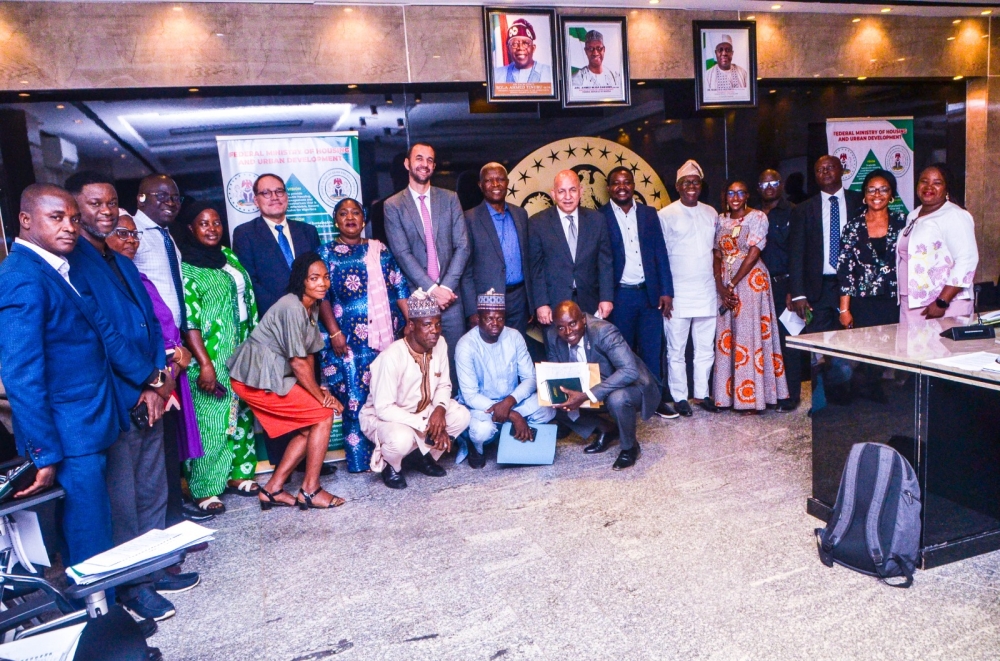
{"x": 136, "y": 466}
{"x": 644, "y": 290}
{"x": 58, "y": 355}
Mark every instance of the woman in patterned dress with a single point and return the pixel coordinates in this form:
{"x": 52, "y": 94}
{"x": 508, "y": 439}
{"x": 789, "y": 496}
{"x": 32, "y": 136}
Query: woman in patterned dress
{"x": 367, "y": 311}
{"x": 221, "y": 312}
{"x": 749, "y": 369}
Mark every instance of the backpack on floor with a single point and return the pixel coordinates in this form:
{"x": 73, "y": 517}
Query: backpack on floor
{"x": 875, "y": 525}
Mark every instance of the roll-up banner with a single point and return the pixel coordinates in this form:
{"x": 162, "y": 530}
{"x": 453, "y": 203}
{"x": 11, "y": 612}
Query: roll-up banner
{"x": 319, "y": 170}
{"x": 866, "y": 144}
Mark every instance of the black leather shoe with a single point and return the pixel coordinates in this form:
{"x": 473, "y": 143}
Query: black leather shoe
{"x": 604, "y": 441}
{"x": 684, "y": 408}
{"x": 424, "y": 463}
{"x": 194, "y": 514}
{"x": 393, "y": 479}
{"x": 709, "y": 405}
{"x": 626, "y": 458}
{"x": 665, "y": 410}
{"x": 476, "y": 458}
{"x": 147, "y": 626}
{"x": 786, "y": 405}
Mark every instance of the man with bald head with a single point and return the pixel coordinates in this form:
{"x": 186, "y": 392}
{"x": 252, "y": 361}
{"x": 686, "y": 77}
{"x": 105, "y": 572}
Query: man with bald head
{"x": 570, "y": 254}
{"x": 58, "y": 355}
{"x": 627, "y": 387}
{"x": 498, "y": 247}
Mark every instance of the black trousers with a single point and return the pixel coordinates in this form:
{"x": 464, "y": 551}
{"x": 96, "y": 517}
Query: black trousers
{"x": 175, "y": 499}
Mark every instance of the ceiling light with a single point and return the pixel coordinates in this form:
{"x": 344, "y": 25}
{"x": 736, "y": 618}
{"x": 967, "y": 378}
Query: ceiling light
{"x": 855, "y": 20}
{"x": 840, "y": 75}
{"x": 886, "y": 10}
{"x": 759, "y": 78}
{"x": 984, "y": 36}
{"x": 348, "y": 10}
{"x": 751, "y": 17}
{"x": 641, "y": 82}
{"x": 24, "y": 94}
{"x": 774, "y": 91}
{"x": 219, "y": 34}
{"x": 192, "y": 89}
{"x": 815, "y": 75}
{"x": 388, "y": 97}
{"x": 951, "y": 39}
{"x": 60, "y": 107}
{"x": 638, "y": 128}
{"x": 902, "y": 59}
{"x": 862, "y": 77}
{"x": 956, "y": 21}
{"x": 123, "y": 155}
{"x": 775, "y": 6}
{"x": 436, "y": 57}
{"x": 352, "y": 87}
{"x": 178, "y": 8}
{"x": 417, "y": 98}
{"x": 958, "y": 77}
{"x": 874, "y": 60}
{"x": 107, "y": 142}
{"x": 654, "y": 2}
{"x": 115, "y": 149}
{"x": 986, "y": 12}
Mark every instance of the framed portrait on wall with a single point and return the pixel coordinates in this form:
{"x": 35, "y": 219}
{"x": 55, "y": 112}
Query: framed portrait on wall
{"x": 521, "y": 60}
{"x": 725, "y": 64}
{"x": 594, "y": 61}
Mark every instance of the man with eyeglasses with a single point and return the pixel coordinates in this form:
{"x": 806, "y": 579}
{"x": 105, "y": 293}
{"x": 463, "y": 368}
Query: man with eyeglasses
{"x": 775, "y": 256}
{"x": 521, "y": 52}
{"x": 267, "y": 245}
{"x": 594, "y": 78}
{"x": 136, "y": 464}
{"x": 689, "y": 232}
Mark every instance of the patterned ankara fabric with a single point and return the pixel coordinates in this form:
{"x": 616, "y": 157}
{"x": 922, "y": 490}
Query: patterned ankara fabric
{"x": 349, "y": 377}
{"x": 226, "y": 424}
{"x": 749, "y": 369}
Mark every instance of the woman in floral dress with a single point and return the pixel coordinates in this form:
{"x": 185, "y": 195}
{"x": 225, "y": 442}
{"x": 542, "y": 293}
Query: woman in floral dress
{"x": 749, "y": 369}
{"x": 367, "y": 311}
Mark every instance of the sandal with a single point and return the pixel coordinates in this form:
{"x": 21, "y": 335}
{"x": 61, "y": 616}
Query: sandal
{"x": 212, "y": 505}
{"x": 271, "y": 501}
{"x": 246, "y": 488}
{"x": 308, "y": 504}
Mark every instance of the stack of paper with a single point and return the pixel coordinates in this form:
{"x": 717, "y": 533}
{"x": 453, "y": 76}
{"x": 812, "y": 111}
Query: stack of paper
{"x": 153, "y": 544}
{"x": 973, "y": 362}
{"x": 57, "y": 645}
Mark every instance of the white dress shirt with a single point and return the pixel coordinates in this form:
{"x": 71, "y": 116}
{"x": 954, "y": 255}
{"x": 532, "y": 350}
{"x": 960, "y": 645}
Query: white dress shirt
{"x": 58, "y": 262}
{"x": 427, "y": 201}
{"x": 284, "y": 230}
{"x": 842, "y": 201}
{"x": 628, "y": 223}
{"x": 151, "y": 260}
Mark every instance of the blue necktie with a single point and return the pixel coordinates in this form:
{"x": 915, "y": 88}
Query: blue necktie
{"x": 834, "y": 231}
{"x": 175, "y": 274}
{"x": 286, "y": 249}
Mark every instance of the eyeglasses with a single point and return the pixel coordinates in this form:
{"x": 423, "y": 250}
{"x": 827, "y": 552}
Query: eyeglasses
{"x": 594, "y": 49}
{"x": 736, "y": 193}
{"x": 166, "y": 197}
{"x": 277, "y": 192}
{"x": 764, "y": 185}
{"x": 883, "y": 190}
{"x": 125, "y": 234}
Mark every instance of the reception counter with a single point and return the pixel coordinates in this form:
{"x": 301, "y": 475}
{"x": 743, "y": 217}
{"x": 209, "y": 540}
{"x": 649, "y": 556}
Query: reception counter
{"x": 880, "y": 384}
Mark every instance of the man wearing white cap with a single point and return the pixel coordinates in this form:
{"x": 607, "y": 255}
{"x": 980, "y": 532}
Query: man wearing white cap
{"x": 725, "y": 75}
{"x": 689, "y": 232}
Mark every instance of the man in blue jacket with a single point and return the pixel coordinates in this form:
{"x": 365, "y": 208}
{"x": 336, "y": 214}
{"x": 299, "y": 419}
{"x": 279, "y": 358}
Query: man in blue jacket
{"x": 136, "y": 469}
{"x": 58, "y": 355}
{"x": 644, "y": 289}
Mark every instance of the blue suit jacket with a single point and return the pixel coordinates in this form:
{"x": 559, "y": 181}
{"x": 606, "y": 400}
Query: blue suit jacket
{"x": 652, "y": 247}
{"x": 258, "y": 252}
{"x": 127, "y": 307}
{"x": 56, "y": 356}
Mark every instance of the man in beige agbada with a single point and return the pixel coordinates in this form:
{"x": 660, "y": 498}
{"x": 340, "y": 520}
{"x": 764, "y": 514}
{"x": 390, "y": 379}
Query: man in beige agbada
{"x": 410, "y": 415}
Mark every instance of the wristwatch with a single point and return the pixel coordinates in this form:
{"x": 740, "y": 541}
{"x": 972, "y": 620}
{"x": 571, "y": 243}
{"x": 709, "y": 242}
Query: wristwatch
{"x": 161, "y": 378}
{"x": 941, "y": 303}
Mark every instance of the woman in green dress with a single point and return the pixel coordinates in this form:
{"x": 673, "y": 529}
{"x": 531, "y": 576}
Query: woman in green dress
{"x": 221, "y": 312}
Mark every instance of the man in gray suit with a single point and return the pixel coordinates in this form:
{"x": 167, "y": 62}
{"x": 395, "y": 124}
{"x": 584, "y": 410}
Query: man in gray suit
{"x": 570, "y": 254}
{"x": 428, "y": 237}
{"x": 498, "y": 247}
{"x": 627, "y": 387}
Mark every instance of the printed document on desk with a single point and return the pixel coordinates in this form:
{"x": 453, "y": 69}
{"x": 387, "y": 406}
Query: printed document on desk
{"x": 973, "y": 362}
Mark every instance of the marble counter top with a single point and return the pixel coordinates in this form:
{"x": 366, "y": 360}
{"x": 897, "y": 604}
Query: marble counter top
{"x": 908, "y": 347}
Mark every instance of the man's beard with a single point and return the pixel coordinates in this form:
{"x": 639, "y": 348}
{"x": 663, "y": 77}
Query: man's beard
{"x": 94, "y": 232}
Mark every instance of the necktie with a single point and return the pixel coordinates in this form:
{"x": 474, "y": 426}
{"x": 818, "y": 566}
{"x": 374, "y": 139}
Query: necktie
{"x": 572, "y": 236}
{"x": 286, "y": 249}
{"x": 175, "y": 274}
{"x": 581, "y": 353}
{"x": 834, "y": 231}
{"x": 432, "y": 256}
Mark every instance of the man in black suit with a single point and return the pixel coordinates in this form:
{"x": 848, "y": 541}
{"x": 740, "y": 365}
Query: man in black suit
{"x": 498, "y": 245}
{"x": 644, "y": 289}
{"x": 775, "y": 256}
{"x": 570, "y": 254}
{"x": 627, "y": 387}
{"x": 267, "y": 244}
{"x": 814, "y": 247}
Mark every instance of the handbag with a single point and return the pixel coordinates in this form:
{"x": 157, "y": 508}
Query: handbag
{"x": 16, "y": 475}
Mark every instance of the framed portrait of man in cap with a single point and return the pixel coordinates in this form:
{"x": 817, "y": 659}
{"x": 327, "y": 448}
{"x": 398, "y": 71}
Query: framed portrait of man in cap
{"x": 725, "y": 62}
{"x": 595, "y": 61}
{"x": 521, "y": 60}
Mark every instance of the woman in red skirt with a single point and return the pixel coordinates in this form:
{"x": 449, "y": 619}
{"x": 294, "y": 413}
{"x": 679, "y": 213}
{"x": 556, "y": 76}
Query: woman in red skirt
{"x": 274, "y": 372}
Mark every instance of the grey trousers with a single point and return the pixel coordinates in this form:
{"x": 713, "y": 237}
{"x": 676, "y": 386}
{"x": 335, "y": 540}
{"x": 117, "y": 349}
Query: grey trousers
{"x": 137, "y": 487}
{"x": 623, "y": 406}
{"x": 453, "y": 328}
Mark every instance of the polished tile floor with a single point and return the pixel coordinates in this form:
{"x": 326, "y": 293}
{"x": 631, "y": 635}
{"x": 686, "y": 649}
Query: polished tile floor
{"x": 702, "y": 551}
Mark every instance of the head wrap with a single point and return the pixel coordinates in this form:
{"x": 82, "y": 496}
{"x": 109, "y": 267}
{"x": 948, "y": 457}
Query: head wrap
{"x": 724, "y": 39}
{"x": 193, "y": 251}
{"x": 491, "y": 300}
{"x": 689, "y": 168}
{"x": 520, "y": 28}
{"x": 422, "y": 305}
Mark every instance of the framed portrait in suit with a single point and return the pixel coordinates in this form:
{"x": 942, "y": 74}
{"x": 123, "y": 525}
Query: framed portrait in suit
{"x": 725, "y": 64}
{"x": 521, "y": 62}
{"x": 594, "y": 61}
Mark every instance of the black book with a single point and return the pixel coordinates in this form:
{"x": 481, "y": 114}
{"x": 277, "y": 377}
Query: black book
{"x": 556, "y": 395}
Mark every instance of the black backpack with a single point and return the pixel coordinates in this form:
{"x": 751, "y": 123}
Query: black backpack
{"x": 875, "y": 525}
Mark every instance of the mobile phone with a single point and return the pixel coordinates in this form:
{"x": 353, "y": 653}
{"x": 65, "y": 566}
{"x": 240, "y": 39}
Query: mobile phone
{"x": 220, "y": 391}
{"x": 140, "y": 415}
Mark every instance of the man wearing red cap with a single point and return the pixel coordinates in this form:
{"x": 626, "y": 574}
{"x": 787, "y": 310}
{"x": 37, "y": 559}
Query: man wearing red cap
{"x": 521, "y": 52}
